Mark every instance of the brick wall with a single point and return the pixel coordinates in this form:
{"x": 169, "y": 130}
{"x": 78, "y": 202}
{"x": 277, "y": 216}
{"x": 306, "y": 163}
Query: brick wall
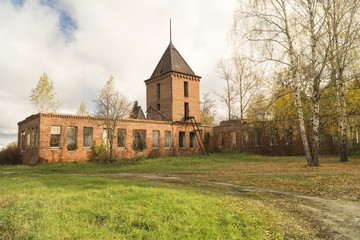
{"x": 172, "y": 97}
{"x": 44, "y": 153}
{"x": 282, "y": 147}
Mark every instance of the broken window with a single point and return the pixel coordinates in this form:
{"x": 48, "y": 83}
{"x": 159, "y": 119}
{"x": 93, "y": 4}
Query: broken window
{"x": 192, "y": 139}
{"x": 71, "y": 138}
{"x": 88, "y": 137}
{"x": 221, "y": 140}
{"x": 139, "y": 142}
{"x": 233, "y": 139}
{"x": 156, "y": 139}
{"x": 28, "y": 138}
{"x": 258, "y": 137}
{"x": 158, "y": 90}
{"x": 182, "y": 140}
{"x": 105, "y": 137}
{"x": 274, "y": 136}
{"x": 167, "y": 139}
{"x": 55, "y": 137}
{"x": 36, "y": 137}
{"x": 23, "y": 140}
{"x": 289, "y": 136}
{"x": 186, "y": 110}
{"x": 186, "y": 89}
{"x": 245, "y": 138}
{"x": 121, "y": 138}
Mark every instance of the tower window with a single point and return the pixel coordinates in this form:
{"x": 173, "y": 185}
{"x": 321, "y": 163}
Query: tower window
{"x": 186, "y": 89}
{"x": 158, "y": 90}
{"x": 158, "y": 106}
{"x": 186, "y": 110}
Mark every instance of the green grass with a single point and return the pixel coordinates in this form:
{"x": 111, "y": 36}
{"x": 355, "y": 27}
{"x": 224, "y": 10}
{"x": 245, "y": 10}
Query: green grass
{"x": 56, "y": 206}
{"x": 166, "y": 164}
{"x": 188, "y": 163}
{"x": 42, "y": 202}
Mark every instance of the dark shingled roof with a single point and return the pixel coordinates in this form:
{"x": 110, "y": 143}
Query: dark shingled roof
{"x": 172, "y": 61}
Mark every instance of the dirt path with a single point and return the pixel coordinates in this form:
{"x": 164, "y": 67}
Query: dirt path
{"x": 338, "y": 219}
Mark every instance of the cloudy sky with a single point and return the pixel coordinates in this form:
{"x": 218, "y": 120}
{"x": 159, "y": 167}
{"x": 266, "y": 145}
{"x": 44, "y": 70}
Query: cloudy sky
{"x": 80, "y": 43}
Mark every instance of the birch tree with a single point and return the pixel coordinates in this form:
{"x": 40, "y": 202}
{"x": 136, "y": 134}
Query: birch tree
{"x": 290, "y": 34}
{"x": 343, "y": 31}
{"x": 111, "y": 106}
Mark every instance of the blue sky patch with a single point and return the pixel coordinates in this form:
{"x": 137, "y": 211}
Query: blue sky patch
{"x": 66, "y": 23}
{"x": 17, "y": 2}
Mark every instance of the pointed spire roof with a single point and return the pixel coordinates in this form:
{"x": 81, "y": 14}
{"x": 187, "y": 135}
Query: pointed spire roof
{"x": 172, "y": 61}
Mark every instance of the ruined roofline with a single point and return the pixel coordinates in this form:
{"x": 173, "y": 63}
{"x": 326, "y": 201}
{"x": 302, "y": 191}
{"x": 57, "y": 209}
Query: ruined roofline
{"x": 93, "y": 118}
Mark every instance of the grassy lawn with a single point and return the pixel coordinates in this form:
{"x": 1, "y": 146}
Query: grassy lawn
{"x": 56, "y": 206}
{"x": 41, "y": 202}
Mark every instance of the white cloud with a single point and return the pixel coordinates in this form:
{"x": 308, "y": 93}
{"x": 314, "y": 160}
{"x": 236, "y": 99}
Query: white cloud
{"x": 122, "y": 38}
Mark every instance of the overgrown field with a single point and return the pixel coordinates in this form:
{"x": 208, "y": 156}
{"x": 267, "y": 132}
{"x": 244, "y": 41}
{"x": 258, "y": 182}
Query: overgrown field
{"x": 44, "y": 202}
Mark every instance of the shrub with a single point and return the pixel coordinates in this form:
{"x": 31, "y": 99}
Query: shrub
{"x": 100, "y": 153}
{"x": 10, "y": 155}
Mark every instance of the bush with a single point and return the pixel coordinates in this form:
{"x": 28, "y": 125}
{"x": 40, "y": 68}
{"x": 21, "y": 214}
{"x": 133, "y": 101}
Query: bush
{"x": 100, "y": 153}
{"x": 10, "y": 155}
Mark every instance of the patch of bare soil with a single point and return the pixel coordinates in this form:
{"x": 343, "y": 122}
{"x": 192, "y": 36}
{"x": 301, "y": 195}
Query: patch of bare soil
{"x": 338, "y": 219}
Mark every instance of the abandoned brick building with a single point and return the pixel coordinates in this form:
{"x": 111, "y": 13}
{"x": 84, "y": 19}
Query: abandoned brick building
{"x": 170, "y": 127}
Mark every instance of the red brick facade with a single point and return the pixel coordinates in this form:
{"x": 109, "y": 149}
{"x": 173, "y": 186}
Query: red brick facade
{"x": 262, "y": 139}
{"x": 35, "y": 151}
{"x": 168, "y": 92}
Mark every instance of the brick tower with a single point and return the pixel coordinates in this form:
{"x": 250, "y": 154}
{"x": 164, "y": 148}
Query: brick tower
{"x": 173, "y": 88}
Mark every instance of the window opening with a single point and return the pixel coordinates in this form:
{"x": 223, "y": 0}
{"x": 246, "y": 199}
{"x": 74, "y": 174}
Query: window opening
{"x": 186, "y": 89}
{"x": 88, "y": 137}
{"x": 105, "y": 137}
{"x": 36, "y": 137}
{"x": 158, "y": 90}
{"x": 192, "y": 139}
{"x": 186, "y": 110}
{"x": 182, "y": 140}
{"x": 139, "y": 142}
{"x": 121, "y": 138}
{"x": 274, "y": 137}
{"x": 221, "y": 140}
{"x": 245, "y": 138}
{"x": 55, "y": 137}
{"x": 233, "y": 139}
{"x": 156, "y": 139}
{"x": 258, "y": 137}
{"x": 71, "y": 138}
{"x": 167, "y": 139}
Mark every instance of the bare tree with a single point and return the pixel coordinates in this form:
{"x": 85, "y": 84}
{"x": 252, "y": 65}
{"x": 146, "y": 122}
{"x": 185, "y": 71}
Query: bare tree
{"x": 110, "y": 107}
{"x": 207, "y": 109}
{"x": 246, "y": 82}
{"x": 228, "y": 96}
